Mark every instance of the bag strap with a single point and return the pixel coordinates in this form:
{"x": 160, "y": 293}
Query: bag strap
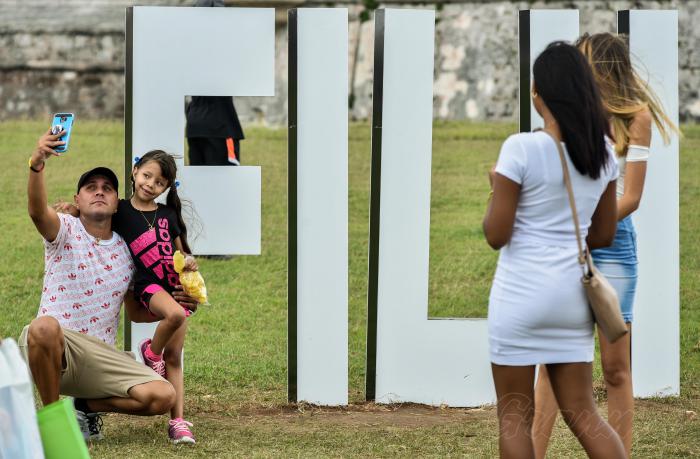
{"x": 583, "y": 258}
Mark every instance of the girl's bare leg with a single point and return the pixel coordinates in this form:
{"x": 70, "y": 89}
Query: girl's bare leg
{"x": 617, "y": 371}
{"x": 546, "y": 411}
{"x": 573, "y": 388}
{"x": 515, "y": 392}
{"x": 171, "y": 315}
{"x": 173, "y": 369}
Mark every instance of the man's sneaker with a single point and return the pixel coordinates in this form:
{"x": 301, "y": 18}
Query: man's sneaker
{"x": 159, "y": 366}
{"x": 179, "y": 431}
{"x": 90, "y": 424}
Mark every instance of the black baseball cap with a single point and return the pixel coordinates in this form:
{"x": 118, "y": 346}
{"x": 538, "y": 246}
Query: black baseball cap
{"x": 105, "y": 172}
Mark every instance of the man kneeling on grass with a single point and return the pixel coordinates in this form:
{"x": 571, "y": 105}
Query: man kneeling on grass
{"x": 88, "y": 271}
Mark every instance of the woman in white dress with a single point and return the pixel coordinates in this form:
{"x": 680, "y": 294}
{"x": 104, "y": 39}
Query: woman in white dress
{"x": 538, "y": 312}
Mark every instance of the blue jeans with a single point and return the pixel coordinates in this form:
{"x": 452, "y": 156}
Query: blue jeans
{"x": 618, "y": 263}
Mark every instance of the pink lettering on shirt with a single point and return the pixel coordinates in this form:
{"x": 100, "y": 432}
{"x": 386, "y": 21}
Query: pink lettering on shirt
{"x": 173, "y": 279}
{"x": 166, "y": 249}
{"x": 164, "y": 234}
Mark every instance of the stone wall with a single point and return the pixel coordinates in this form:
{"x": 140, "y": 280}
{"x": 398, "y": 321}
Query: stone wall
{"x": 72, "y": 57}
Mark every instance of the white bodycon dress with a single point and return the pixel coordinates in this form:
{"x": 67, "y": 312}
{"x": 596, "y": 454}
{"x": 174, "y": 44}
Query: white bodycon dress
{"x": 538, "y": 311}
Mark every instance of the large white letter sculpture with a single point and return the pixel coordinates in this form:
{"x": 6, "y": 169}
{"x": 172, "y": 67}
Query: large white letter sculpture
{"x": 411, "y": 358}
{"x": 656, "y": 362}
{"x": 169, "y": 56}
{"x": 318, "y": 206}
{"x": 655, "y": 336}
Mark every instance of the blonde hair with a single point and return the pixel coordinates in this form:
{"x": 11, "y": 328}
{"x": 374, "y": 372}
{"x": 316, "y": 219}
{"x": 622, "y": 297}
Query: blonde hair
{"x": 623, "y": 92}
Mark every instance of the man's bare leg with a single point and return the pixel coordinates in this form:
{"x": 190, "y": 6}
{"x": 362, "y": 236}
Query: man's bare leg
{"x": 45, "y": 351}
{"x": 148, "y": 399}
{"x": 45, "y": 347}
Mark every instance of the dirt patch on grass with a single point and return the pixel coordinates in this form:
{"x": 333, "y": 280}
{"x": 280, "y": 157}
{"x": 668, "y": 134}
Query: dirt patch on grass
{"x": 371, "y": 417}
{"x": 366, "y": 414}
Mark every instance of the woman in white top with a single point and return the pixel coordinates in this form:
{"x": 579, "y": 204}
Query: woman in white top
{"x": 538, "y": 312}
{"x": 631, "y": 107}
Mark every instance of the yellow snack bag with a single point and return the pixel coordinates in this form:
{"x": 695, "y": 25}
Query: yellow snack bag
{"x": 178, "y": 261}
{"x": 192, "y": 282}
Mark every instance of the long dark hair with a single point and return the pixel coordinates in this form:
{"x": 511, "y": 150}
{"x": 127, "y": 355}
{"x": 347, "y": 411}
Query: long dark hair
{"x": 564, "y": 81}
{"x": 168, "y": 169}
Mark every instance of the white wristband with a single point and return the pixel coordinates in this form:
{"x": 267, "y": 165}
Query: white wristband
{"x": 637, "y": 153}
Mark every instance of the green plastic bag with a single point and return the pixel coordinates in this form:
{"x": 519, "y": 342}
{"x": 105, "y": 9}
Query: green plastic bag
{"x": 60, "y": 433}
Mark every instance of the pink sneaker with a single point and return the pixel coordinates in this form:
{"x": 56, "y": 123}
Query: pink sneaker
{"x": 159, "y": 366}
{"x": 179, "y": 431}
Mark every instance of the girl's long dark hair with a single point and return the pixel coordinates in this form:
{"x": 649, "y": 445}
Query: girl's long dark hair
{"x": 168, "y": 169}
{"x": 564, "y": 80}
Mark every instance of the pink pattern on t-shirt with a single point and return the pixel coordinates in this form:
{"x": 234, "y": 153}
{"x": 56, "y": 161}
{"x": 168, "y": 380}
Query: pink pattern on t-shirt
{"x": 150, "y": 257}
{"x": 159, "y": 257}
{"x": 85, "y": 282}
{"x": 142, "y": 242}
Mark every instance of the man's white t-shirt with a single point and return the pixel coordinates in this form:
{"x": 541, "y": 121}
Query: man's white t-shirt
{"x": 85, "y": 280}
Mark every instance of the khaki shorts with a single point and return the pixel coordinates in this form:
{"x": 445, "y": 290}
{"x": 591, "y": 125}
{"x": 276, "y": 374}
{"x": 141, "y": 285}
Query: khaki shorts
{"x": 94, "y": 369}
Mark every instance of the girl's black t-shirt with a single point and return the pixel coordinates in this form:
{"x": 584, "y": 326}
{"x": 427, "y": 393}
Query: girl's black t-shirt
{"x": 150, "y": 236}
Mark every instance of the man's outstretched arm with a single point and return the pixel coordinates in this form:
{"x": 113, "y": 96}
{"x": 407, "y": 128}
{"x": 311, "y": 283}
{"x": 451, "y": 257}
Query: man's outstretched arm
{"x": 44, "y": 217}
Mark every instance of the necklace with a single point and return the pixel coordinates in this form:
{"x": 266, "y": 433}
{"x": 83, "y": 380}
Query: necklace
{"x": 150, "y": 224}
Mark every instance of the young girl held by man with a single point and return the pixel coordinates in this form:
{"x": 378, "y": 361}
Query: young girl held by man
{"x": 153, "y": 232}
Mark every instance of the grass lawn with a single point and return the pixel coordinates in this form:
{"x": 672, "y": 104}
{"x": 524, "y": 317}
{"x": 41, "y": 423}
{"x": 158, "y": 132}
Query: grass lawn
{"x": 235, "y": 362}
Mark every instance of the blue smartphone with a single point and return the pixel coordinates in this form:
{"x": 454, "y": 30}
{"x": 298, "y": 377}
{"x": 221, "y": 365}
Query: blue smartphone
{"x": 62, "y": 122}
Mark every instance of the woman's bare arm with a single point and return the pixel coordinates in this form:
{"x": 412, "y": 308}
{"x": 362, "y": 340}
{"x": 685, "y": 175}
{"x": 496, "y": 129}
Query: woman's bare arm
{"x": 604, "y": 221}
{"x": 500, "y": 213}
{"x": 635, "y": 171}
